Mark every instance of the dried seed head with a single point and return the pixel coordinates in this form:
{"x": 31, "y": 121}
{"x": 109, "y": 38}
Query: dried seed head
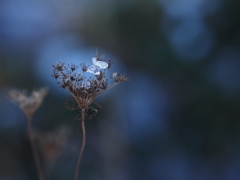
{"x": 73, "y": 67}
{"x": 84, "y": 90}
{"x": 59, "y": 66}
{"x": 29, "y": 104}
{"x": 119, "y": 77}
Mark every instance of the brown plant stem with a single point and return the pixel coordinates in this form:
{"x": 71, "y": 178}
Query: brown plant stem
{"x": 83, "y": 144}
{"x": 34, "y": 149}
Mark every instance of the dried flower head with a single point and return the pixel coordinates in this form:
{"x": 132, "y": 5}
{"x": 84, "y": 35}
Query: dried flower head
{"x": 83, "y": 90}
{"x": 119, "y": 77}
{"x": 28, "y": 103}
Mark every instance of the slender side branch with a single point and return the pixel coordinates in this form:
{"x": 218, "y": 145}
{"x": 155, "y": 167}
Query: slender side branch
{"x": 83, "y": 144}
{"x": 34, "y": 149}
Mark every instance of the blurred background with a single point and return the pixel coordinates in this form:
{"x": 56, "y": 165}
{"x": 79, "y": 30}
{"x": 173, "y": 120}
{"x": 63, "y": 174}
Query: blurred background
{"x": 177, "y": 119}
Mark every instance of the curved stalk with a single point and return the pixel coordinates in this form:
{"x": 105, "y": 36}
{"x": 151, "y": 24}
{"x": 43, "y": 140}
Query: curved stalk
{"x": 34, "y": 149}
{"x": 83, "y": 144}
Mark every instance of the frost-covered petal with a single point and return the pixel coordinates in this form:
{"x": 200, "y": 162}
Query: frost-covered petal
{"x": 100, "y": 64}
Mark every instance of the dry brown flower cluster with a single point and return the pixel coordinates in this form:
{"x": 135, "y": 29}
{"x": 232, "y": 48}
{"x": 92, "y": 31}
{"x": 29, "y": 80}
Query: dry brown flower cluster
{"x": 84, "y": 90}
{"x": 28, "y": 103}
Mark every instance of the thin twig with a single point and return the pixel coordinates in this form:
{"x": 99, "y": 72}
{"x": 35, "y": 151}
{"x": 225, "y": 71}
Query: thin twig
{"x": 34, "y": 149}
{"x": 83, "y": 144}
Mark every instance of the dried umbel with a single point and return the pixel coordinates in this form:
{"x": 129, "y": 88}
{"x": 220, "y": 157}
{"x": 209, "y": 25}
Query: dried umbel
{"x": 28, "y": 103}
{"x": 84, "y": 90}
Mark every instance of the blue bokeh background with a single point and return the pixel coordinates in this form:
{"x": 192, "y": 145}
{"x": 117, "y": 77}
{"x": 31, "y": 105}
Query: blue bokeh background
{"x": 177, "y": 119}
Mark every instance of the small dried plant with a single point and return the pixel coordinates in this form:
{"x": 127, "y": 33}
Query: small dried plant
{"x": 29, "y": 104}
{"x": 85, "y": 90}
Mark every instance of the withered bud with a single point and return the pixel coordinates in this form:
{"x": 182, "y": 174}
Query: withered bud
{"x": 110, "y": 61}
{"x": 73, "y": 67}
{"x": 73, "y": 78}
{"x": 28, "y": 103}
{"x": 55, "y": 74}
{"x": 84, "y": 67}
{"x": 79, "y": 78}
{"x": 100, "y": 77}
{"x": 119, "y": 77}
{"x": 104, "y": 84}
{"x": 59, "y": 66}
